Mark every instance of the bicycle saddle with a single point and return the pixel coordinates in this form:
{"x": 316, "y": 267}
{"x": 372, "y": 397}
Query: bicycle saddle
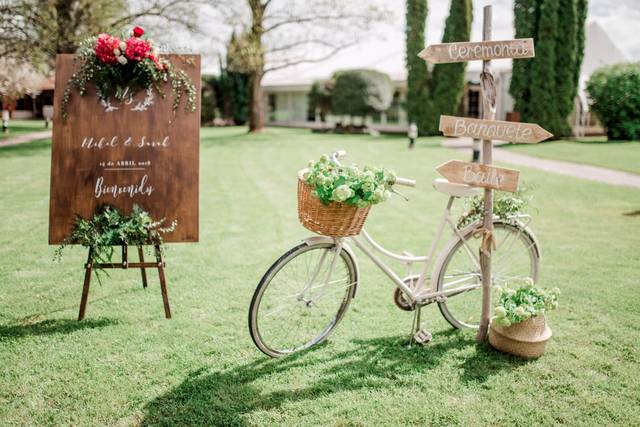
{"x": 455, "y": 190}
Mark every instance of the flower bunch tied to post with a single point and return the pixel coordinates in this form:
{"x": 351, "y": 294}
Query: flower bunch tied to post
{"x": 515, "y": 305}
{"x": 351, "y": 185}
{"x": 120, "y": 67}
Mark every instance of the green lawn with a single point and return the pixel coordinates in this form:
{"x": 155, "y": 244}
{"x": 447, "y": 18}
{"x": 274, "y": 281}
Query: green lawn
{"x": 20, "y": 127}
{"x": 127, "y": 365}
{"x": 620, "y": 155}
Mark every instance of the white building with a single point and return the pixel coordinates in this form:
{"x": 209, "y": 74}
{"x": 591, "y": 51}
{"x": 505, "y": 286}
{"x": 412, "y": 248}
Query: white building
{"x": 286, "y": 99}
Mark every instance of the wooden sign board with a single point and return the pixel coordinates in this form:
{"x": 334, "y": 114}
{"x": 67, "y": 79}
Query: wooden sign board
{"x": 125, "y": 153}
{"x": 528, "y": 133}
{"x": 476, "y": 51}
{"x": 479, "y": 175}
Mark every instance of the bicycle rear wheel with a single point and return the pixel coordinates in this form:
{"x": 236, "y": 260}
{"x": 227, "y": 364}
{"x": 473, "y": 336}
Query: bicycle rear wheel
{"x": 301, "y": 298}
{"x": 515, "y": 259}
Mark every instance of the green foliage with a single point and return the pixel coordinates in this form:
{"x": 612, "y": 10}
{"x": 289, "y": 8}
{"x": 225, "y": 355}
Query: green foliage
{"x": 505, "y": 205}
{"x": 429, "y": 96}
{"x": 208, "y": 99}
{"x": 544, "y": 87}
{"x": 109, "y": 228}
{"x": 417, "y": 72}
{"x": 447, "y": 82}
{"x": 615, "y": 91}
{"x": 320, "y": 96}
{"x": 361, "y": 92}
{"x": 525, "y": 301}
{"x": 348, "y": 184}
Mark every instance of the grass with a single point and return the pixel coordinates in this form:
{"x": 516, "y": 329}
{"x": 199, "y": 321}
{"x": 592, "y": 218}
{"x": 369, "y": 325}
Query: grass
{"x": 126, "y": 365}
{"x": 620, "y": 155}
{"x": 20, "y": 127}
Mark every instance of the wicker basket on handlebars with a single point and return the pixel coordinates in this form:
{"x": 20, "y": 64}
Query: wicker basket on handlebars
{"x": 335, "y": 219}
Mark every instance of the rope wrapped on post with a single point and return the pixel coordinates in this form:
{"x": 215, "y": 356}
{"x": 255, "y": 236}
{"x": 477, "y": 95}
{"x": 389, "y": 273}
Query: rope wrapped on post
{"x": 487, "y": 239}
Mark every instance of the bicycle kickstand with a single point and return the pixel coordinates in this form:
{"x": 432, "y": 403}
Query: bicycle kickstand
{"x": 418, "y": 335}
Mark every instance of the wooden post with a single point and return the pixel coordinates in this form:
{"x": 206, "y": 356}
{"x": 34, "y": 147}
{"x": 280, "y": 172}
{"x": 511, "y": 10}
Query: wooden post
{"x": 487, "y": 89}
{"x": 85, "y": 288}
{"x": 163, "y": 283}
{"x": 142, "y": 270}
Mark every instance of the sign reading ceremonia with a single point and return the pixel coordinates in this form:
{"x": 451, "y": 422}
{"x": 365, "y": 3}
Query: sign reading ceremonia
{"x": 479, "y": 175}
{"x": 120, "y": 153}
{"x": 474, "y": 51}
{"x": 527, "y": 133}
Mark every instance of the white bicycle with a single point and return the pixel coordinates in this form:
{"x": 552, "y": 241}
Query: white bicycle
{"x": 303, "y": 296}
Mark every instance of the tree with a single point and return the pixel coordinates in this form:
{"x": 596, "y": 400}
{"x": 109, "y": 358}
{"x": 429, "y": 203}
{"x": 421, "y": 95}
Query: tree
{"x": 280, "y": 34}
{"x": 40, "y": 29}
{"x": 18, "y": 80}
{"x": 417, "y": 72}
{"x": 320, "y": 97}
{"x": 544, "y": 88}
{"x": 361, "y": 92}
{"x": 430, "y": 95}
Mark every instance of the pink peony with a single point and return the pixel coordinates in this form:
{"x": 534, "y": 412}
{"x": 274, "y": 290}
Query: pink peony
{"x": 137, "y": 49}
{"x": 105, "y": 46}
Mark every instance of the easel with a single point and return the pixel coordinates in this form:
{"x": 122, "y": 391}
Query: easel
{"x": 125, "y": 264}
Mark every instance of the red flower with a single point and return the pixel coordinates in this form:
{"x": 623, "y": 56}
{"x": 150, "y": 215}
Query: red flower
{"x": 105, "y": 47}
{"x": 137, "y": 49}
{"x": 137, "y": 31}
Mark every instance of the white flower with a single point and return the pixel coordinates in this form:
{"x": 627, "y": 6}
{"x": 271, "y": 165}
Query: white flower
{"x": 520, "y": 311}
{"x": 311, "y": 163}
{"x": 123, "y": 46}
{"x": 342, "y": 193}
{"x": 500, "y": 311}
{"x": 117, "y": 52}
{"x": 122, "y": 60}
{"x": 324, "y": 158}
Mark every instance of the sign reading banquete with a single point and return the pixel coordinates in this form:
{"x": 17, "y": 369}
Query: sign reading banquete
{"x": 530, "y": 133}
{"x": 121, "y": 153}
{"x": 478, "y": 51}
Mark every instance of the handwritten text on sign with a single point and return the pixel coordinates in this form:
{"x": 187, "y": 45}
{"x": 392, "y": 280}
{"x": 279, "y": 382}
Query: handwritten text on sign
{"x": 493, "y": 129}
{"x": 478, "y": 175}
{"x": 472, "y": 51}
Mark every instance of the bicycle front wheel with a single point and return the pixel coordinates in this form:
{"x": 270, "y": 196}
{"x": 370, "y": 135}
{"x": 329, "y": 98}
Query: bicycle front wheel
{"x": 515, "y": 259}
{"x": 301, "y": 298}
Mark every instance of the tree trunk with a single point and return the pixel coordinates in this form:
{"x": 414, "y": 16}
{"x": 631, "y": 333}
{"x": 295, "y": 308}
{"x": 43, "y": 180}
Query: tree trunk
{"x": 256, "y": 115}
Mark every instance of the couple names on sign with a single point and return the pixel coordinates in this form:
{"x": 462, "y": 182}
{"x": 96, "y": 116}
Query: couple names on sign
{"x": 134, "y": 152}
{"x": 472, "y": 51}
{"x": 528, "y": 133}
{"x": 479, "y": 175}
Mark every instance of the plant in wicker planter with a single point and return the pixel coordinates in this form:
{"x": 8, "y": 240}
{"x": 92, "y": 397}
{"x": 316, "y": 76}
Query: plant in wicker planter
{"x": 334, "y": 200}
{"x": 519, "y": 325}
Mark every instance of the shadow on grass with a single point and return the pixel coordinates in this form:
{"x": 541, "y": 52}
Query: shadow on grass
{"x": 222, "y": 397}
{"x": 51, "y": 327}
{"x": 26, "y": 149}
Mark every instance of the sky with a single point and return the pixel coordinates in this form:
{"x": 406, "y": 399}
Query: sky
{"x": 383, "y": 47}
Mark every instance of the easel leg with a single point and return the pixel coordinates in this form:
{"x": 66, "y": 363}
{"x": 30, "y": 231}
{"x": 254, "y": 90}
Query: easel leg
{"x": 85, "y": 288}
{"x": 163, "y": 283}
{"x": 142, "y": 270}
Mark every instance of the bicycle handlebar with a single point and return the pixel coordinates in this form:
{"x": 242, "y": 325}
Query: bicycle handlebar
{"x": 338, "y": 155}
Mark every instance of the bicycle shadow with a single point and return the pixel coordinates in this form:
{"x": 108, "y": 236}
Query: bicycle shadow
{"x": 222, "y": 397}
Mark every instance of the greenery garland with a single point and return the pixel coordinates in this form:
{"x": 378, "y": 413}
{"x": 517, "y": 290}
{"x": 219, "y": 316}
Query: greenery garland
{"x": 109, "y": 228}
{"x": 525, "y": 301}
{"x": 505, "y": 205}
{"x": 120, "y": 68}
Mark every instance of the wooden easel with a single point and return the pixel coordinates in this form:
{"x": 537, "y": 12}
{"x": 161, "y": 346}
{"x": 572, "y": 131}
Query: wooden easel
{"x": 125, "y": 264}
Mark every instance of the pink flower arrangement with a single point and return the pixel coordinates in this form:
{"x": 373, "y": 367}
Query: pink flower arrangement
{"x": 137, "y": 49}
{"x": 106, "y": 47}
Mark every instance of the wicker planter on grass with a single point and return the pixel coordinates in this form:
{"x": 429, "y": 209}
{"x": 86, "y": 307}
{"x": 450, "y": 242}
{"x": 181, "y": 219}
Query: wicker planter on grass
{"x": 335, "y": 220}
{"x": 526, "y": 339}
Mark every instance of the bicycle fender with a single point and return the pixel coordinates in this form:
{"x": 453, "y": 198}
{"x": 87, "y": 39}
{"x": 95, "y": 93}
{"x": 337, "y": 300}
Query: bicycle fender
{"x": 313, "y": 240}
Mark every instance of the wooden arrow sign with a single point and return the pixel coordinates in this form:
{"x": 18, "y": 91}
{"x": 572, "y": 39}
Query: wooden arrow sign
{"x": 528, "y": 133}
{"x": 479, "y": 175}
{"x": 472, "y": 51}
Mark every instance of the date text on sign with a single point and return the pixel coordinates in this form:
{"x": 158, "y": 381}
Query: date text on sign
{"x": 477, "y": 51}
{"x": 528, "y": 133}
{"x": 479, "y": 175}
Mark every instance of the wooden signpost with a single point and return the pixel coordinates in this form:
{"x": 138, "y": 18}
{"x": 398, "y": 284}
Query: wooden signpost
{"x": 526, "y": 133}
{"x": 138, "y": 151}
{"x": 473, "y": 51}
{"x": 480, "y": 175}
{"x": 487, "y": 129}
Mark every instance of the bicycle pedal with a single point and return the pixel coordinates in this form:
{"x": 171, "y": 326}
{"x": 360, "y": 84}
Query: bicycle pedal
{"x": 422, "y": 337}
